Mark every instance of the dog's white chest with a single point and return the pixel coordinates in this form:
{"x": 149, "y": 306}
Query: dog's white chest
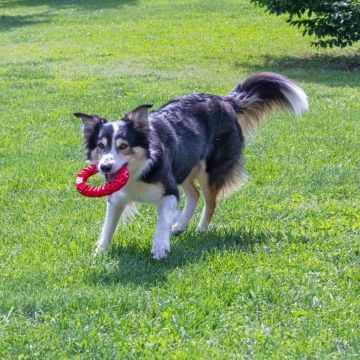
{"x": 141, "y": 192}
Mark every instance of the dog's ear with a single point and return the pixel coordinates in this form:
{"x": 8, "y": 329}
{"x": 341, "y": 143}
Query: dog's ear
{"x": 140, "y": 117}
{"x": 90, "y": 120}
{"x": 91, "y": 123}
{"x": 91, "y": 128}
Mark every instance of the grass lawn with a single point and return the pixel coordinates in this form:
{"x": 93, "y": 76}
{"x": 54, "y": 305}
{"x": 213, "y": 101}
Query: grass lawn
{"x": 276, "y": 277}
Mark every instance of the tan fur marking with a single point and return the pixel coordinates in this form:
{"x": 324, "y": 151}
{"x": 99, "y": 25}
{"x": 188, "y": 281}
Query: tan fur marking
{"x": 210, "y": 196}
{"x": 208, "y": 210}
{"x": 138, "y": 152}
{"x": 103, "y": 140}
{"x": 94, "y": 155}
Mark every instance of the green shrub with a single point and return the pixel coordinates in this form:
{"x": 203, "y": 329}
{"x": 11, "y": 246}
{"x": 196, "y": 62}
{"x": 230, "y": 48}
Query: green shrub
{"x": 333, "y": 23}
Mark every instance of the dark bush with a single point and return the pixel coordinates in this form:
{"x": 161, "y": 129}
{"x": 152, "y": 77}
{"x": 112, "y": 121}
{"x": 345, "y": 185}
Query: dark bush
{"x": 333, "y": 23}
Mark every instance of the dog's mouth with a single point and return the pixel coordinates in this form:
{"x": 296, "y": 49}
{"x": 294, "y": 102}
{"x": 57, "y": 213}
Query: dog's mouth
{"x": 112, "y": 177}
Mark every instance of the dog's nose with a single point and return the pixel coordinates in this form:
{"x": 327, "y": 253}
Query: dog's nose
{"x": 105, "y": 168}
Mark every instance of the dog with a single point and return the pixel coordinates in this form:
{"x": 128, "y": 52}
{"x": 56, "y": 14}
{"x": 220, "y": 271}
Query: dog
{"x": 196, "y": 137}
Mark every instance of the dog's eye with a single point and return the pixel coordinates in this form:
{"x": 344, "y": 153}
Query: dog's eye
{"x": 123, "y": 146}
{"x": 101, "y": 146}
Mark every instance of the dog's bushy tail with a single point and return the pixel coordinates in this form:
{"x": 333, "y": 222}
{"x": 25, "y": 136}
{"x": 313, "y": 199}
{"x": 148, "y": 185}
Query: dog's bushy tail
{"x": 264, "y": 92}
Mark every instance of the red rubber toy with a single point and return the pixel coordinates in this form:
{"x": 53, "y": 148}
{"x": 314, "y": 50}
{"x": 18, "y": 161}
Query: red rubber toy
{"x": 104, "y": 190}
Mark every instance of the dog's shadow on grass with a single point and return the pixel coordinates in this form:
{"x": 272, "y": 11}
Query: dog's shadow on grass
{"x": 135, "y": 266}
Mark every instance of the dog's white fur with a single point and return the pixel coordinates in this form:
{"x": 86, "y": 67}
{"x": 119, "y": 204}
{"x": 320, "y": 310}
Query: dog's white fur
{"x": 136, "y": 191}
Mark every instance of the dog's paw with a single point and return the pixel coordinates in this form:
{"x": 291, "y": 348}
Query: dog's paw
{"x": 178, "y": 228}
{"x": 160, "y": 251}
{"x": 202, "y": 228}
{"x": 98, "y": 251}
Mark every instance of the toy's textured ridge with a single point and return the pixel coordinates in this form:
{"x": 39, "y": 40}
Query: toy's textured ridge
{"x": 102, "y": 190}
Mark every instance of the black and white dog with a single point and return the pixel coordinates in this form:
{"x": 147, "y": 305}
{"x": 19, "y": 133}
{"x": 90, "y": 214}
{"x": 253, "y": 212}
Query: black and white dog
{"x": 195, "y": 137}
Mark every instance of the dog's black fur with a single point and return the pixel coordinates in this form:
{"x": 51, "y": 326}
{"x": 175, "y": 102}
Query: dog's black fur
{"x": 196, "y": 128}
{"x": 191, "y": 128}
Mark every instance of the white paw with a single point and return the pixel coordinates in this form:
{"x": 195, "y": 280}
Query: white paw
{"x": 201, "y": 228}
{"x": 178, "y": 228}
{"x": 99, "y": 250}
{"x": 160, "y": 250}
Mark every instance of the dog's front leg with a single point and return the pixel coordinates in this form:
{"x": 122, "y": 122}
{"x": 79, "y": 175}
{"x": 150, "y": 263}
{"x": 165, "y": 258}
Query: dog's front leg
{"x": 166, "y": 212}
{"x": 113, "y": 212}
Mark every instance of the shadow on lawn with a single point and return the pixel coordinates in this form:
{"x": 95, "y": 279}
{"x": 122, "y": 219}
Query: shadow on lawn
{"x": 8, "y": 22}
{"x": 86, "y": 4}
{"x": 331, "y": 70}
{"x": 137, "y": 267}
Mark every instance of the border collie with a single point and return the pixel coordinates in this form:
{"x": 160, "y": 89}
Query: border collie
{"x": 196, "y": 137}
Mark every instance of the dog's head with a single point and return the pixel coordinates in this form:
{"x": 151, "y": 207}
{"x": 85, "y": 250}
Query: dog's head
{"x": 110, "y": 145}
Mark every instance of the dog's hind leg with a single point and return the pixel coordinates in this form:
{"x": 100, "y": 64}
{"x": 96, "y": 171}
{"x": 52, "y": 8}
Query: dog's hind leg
{"x": 210, "y": 196}
{"x": 113, "y": 213}
{"x": 191, "y": 199}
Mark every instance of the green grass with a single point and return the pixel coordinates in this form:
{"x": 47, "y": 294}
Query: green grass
{"x": 277, "y": 276}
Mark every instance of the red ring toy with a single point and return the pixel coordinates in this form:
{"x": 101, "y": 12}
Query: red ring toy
{"x": 104, "y": 190}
